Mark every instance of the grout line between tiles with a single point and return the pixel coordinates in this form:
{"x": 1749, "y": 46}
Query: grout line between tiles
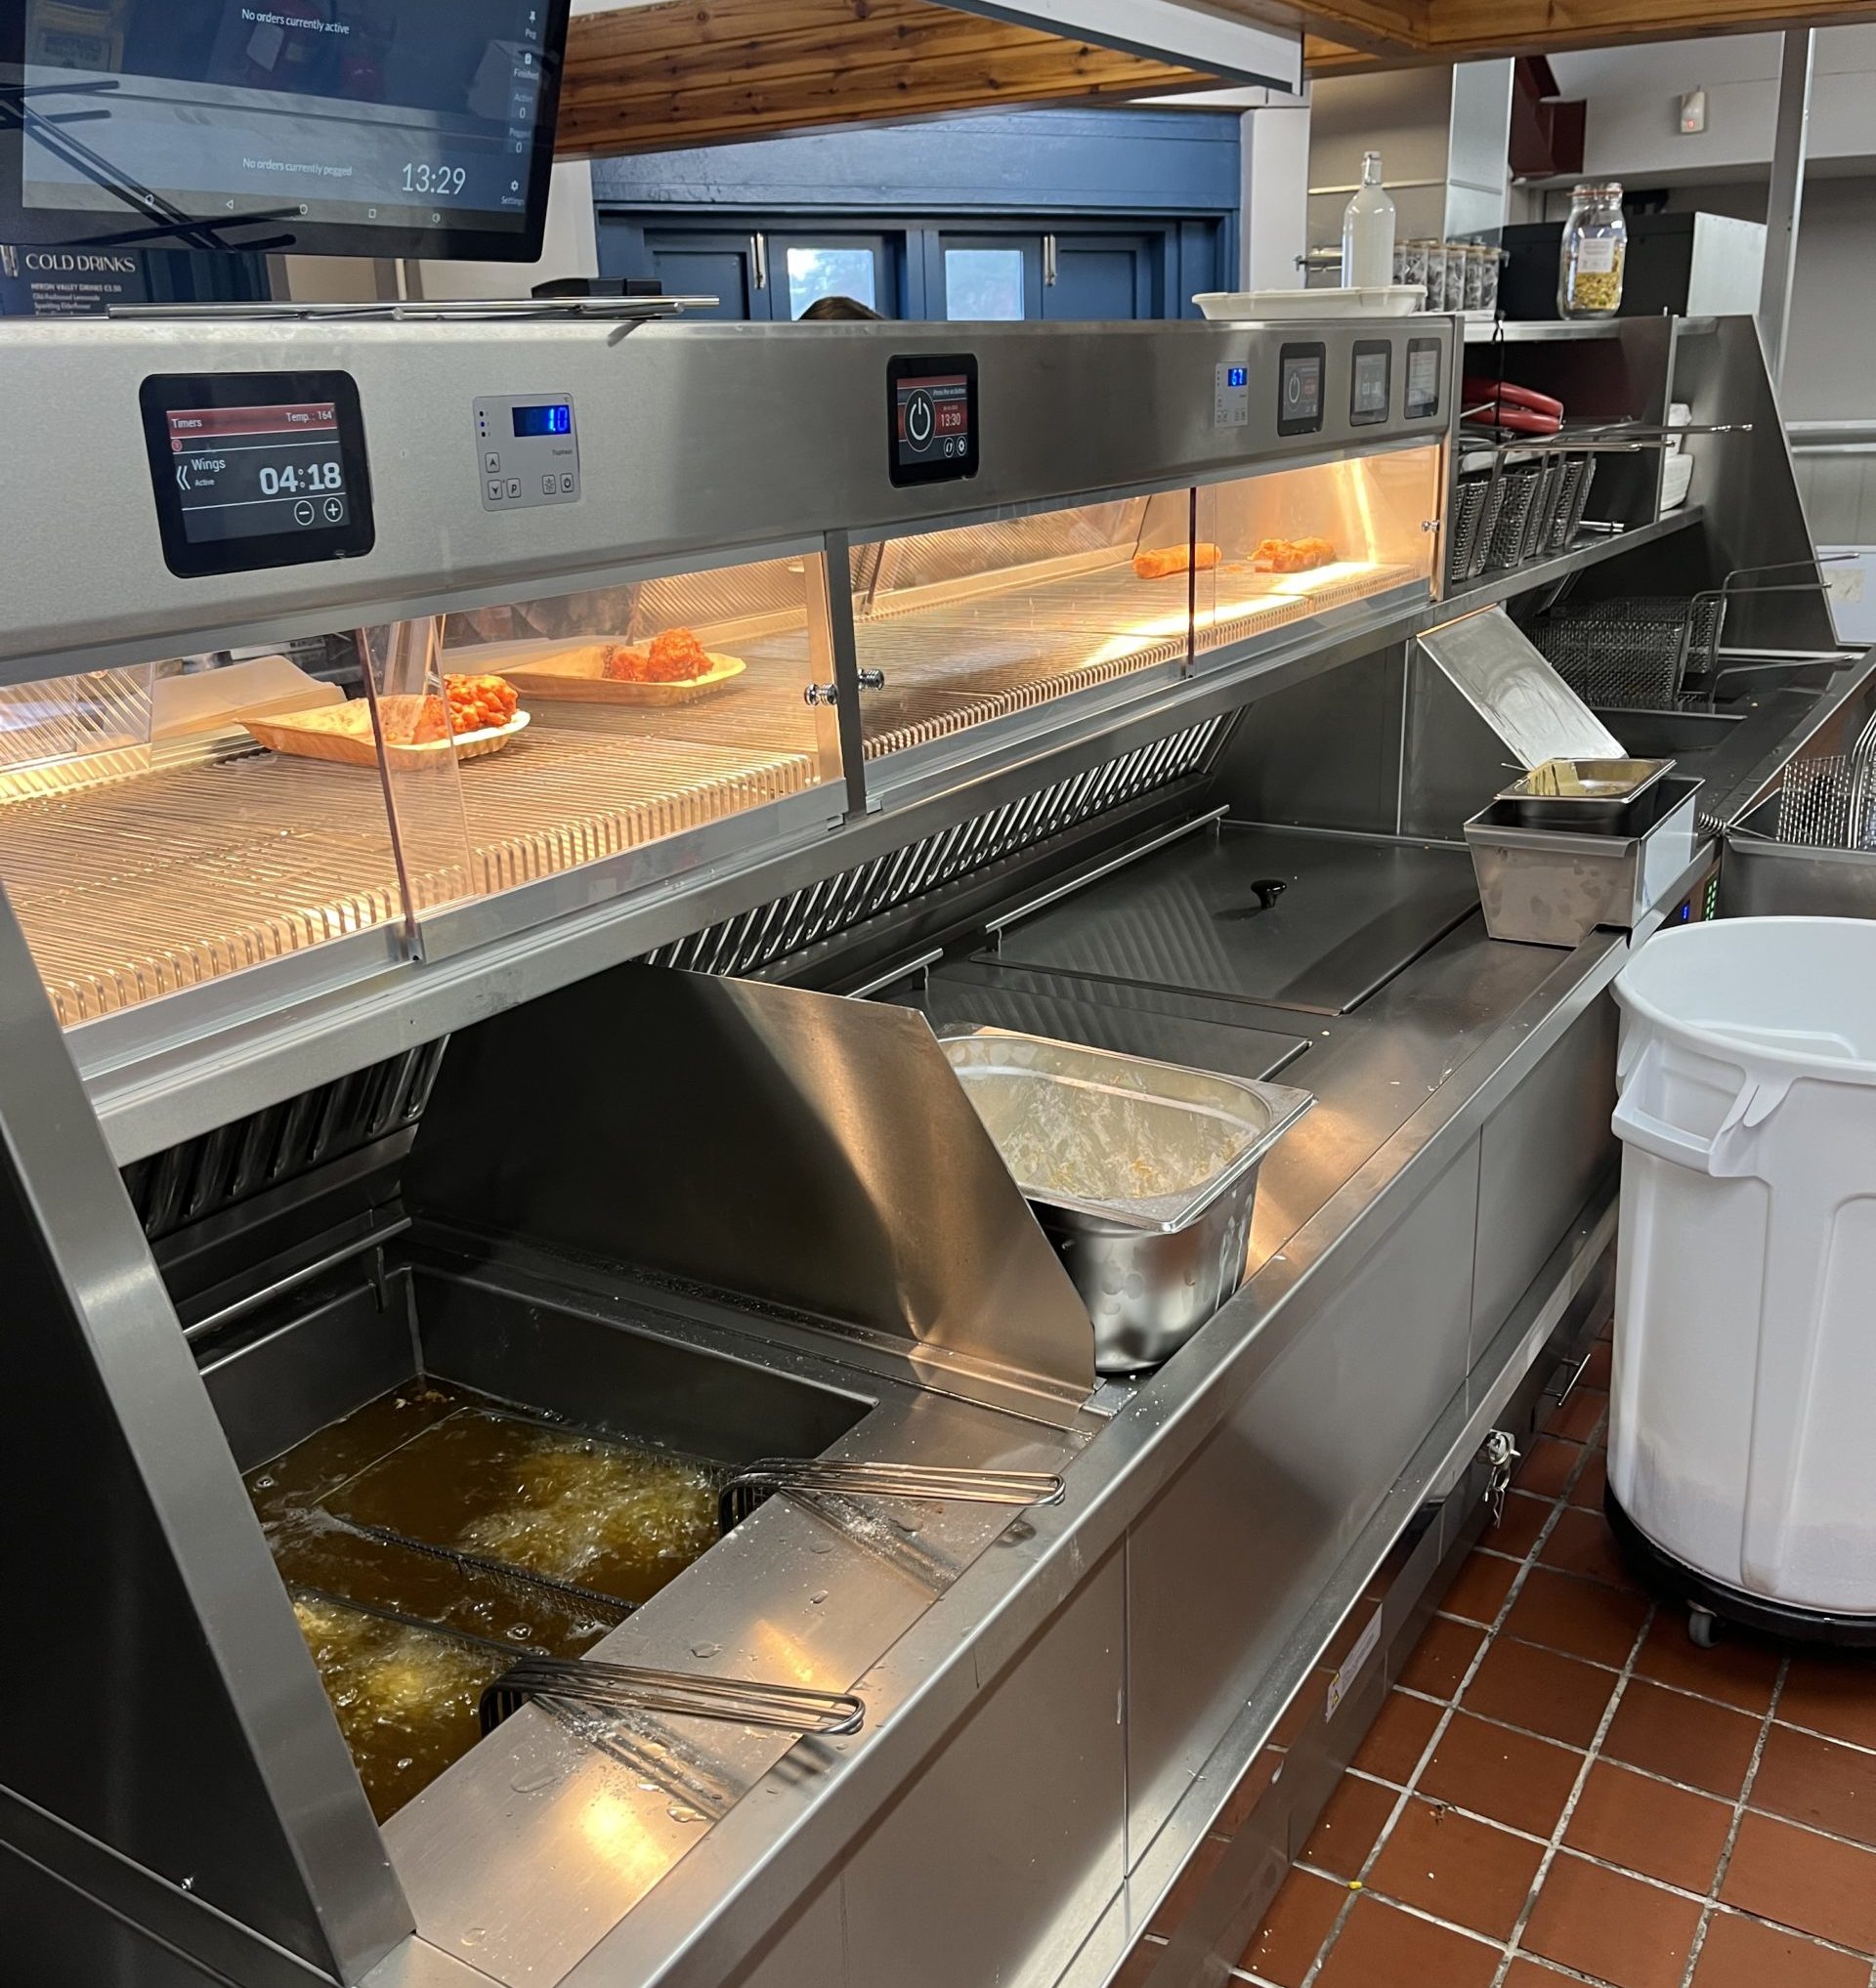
{"x": 1733, "y": 1827}
{"x": 1569, "y": 1805}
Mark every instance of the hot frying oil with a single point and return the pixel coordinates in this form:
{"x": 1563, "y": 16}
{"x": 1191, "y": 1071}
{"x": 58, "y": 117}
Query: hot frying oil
{"x": 407, "y": 1640}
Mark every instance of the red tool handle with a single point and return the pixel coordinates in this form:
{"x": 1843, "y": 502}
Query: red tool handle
{"x": 1513, "y": 396}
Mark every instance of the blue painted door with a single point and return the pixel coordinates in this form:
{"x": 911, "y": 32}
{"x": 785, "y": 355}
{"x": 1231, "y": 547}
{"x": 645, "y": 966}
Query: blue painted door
{"x": 1100, "y": 277}
{"x": 705, "y": 262}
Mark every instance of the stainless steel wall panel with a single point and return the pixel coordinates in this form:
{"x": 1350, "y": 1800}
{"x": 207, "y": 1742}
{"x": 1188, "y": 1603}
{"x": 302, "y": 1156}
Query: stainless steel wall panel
{"x": 1007, "y": 1845}
{"x": 1542, "y": 1155}
{"x": 1238, "y": 1544}
{"x": 182, "y": 1733}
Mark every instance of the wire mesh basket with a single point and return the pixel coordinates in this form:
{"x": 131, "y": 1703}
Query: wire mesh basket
{"x": 1571, "y": 499}
{"x": 1629, "y": 653}
{"x": 1828, "y": 804}
{"x": 1475, "y": 497}
{"x": 1518, "y": 493}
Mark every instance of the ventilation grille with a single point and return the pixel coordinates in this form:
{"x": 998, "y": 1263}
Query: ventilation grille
{"x": 205, "y": 1175}
{"x": 820, "y": 912}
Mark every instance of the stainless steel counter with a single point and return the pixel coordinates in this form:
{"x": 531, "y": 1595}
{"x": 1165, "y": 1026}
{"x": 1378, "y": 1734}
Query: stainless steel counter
{"x": 1369, "y": 1196}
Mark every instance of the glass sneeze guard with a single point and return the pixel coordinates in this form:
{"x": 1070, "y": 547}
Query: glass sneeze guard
{"x": 973, "y": 625}
{"x": 168, "y": 824}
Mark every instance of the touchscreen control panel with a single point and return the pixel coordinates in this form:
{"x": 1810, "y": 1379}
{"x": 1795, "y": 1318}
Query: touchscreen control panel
{"x": 253, "y": 470}
{"x": 1371, "y": 382}
{"x": 932, "y": 433}
{"x": 1299, "y": 397}
{"x": 1423, "y": 380}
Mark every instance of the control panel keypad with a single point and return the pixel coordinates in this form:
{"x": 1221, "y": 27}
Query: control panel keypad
{"x": 528, "y": 450}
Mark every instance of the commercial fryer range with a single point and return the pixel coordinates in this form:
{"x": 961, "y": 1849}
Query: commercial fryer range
{"x": 442, "y": 808}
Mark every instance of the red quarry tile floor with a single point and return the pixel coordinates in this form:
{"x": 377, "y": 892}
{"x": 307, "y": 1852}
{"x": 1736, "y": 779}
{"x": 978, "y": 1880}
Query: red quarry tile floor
{"x": 1563, "y": 1790}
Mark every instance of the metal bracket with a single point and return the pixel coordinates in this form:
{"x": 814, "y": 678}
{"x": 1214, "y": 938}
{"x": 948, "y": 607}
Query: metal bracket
{"x": 1501, "y": 1451}
{"x": 829, "y": 694}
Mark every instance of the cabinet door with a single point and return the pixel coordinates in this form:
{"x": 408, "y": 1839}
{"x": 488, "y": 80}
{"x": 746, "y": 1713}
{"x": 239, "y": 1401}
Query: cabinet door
{"x": 711, "y": 263}
{"x": 992, "y": 278}
{"x": 1100, "y": 276}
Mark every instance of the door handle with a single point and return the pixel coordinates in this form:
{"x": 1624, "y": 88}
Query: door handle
{"x": 1051, "y": 269}
{"x": 759, "y": 260}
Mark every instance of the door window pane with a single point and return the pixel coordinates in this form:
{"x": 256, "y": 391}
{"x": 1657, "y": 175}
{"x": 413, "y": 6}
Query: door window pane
{"x": 984, "y": 283}
{"x": 817, "y": 272}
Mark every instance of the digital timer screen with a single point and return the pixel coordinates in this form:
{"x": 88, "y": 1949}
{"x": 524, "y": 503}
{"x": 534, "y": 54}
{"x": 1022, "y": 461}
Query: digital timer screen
{"x": 1238, "y": 376}
{"x": 244, "y": 472}
{"x": 554, "y": 420}
{"x": 256, "y": 469}
{"x": 933, "y": 413}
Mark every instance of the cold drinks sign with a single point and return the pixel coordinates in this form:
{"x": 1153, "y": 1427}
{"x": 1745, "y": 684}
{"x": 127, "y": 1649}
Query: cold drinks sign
{"x": 67, "y": 282}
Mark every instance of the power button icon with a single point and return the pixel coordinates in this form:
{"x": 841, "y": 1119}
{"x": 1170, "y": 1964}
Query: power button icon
{"x": 921, "y": 420}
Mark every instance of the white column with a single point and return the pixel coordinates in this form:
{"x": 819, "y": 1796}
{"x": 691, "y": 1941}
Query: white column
{"x": 1274, "y": 214}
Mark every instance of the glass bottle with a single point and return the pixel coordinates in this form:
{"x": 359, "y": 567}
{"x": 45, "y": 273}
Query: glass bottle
{"x": 1594, "y": 253}
{"x": 1367, "y": 232}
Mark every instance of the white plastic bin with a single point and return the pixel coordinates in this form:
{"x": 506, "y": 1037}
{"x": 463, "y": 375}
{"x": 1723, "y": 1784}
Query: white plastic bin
{"x": 1743, "y": 1418}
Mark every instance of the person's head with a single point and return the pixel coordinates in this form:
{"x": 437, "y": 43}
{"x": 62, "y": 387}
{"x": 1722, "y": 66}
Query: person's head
{"x": 838, "y": 311}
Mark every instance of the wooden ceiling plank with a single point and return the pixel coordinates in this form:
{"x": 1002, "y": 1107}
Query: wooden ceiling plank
{"x": 1476, "y": 28}
{"x": 621, "y": 80}
{"x": 833, "y": 61}
{"x": 950, "y": 83}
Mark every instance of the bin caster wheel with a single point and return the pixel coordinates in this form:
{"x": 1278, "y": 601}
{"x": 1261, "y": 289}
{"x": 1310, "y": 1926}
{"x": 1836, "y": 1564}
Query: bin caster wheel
{"x": 1703, "y": 1628}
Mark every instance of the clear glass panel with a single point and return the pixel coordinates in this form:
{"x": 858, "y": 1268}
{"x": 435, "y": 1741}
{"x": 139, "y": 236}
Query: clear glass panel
{"x": 1277, "y": 548}
{"x": 975, "y": 624}
{"x": 164, "y": 825}
{"x": 817, "y": 272}
{"x": 149, "y": 843}
{"x": 651, "y": 708}
{"x": 984, "y": 284}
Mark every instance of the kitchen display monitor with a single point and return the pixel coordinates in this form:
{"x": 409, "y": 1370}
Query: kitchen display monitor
{"x": 253, "y": 470}
{"x": 931, "y": 412}
{"x": 327, "y": 127}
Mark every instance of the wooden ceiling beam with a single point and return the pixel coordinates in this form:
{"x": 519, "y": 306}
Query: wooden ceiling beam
{"x": 688, "y": 72}
{"x": 697, "y": 71}
{"x": 1460, "y": 29}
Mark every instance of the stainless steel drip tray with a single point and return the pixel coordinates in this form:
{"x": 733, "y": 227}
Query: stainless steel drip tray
{"x": 1351, "y": 912}
{"x": 1100, "y": 1016}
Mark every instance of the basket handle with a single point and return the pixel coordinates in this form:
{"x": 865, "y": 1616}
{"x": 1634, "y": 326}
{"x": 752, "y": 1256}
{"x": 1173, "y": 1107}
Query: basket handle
{"x": 1725, "y": 1156}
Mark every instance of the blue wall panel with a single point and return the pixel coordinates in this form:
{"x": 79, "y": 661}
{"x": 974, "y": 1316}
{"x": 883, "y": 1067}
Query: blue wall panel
{"x": 1111, "y": 162}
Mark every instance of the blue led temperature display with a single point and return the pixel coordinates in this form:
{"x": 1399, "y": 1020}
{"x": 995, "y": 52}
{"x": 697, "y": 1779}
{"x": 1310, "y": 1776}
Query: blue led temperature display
{"x": 557, "y": 419}
{"x": 1239, "y": 376}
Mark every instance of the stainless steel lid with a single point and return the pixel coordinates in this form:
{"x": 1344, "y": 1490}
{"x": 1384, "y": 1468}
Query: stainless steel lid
{"x": 1127, "y": 1140}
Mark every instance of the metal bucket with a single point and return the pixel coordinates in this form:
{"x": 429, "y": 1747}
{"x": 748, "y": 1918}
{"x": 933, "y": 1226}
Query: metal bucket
{"x": 1142, "y": 1175}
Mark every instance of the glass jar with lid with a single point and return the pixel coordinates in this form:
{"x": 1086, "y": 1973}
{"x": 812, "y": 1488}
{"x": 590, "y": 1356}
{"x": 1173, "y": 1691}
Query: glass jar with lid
{"x": 1594, "y": 253}
{"x": 1410, "y": 267}
{"x": 1477, "y": 255}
